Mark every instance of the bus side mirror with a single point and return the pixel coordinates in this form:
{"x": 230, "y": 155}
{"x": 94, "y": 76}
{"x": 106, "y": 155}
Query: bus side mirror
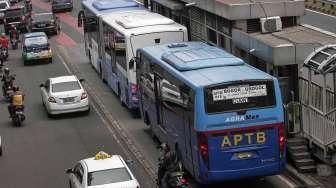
{"x": 68, "y": 171}
{"x": 131, "y": 64}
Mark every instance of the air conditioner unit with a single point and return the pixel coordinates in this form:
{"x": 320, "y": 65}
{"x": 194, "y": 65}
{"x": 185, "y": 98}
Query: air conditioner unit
{"x": 270, "y": 24}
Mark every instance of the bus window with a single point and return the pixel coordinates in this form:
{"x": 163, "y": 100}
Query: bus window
{"x": 108, "y": 42}
{"x": 146, "y": 77}
{"x": 119, "y": 49}
{"x": 171, "y": 96}
{"x": 237, "y": 97}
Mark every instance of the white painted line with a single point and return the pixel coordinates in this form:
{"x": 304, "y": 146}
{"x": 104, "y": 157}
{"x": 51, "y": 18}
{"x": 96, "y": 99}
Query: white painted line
{"x": 331, "y": 16}
{"x": 286, "y": 181}
{"x": 63, "y": 61}
{"x": 319, "y": 30}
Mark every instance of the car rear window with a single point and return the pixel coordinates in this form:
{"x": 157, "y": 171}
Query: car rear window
{"x": 35, "y": 41}
{"x": 65, "y": 86}
{"x": 61, "y": 1}
{"x": 240, "y": 95}
{"x": 14, "y": 13}
{"x": 3, "y": 5}
{"x": 108, "y": 176}
{"x": 42, "y": 17}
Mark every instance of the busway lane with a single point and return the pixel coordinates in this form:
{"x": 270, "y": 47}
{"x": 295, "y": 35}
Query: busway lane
{"x": 37, "y": 154}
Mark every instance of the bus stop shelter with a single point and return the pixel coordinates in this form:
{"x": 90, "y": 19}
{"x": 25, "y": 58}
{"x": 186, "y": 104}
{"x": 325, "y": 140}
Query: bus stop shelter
{"x": 318, "y": 113}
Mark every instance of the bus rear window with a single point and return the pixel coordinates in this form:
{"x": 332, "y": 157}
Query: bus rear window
{"x": 239, "y": 96}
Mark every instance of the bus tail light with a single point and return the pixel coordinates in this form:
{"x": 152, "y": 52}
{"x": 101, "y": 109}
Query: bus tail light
{"x": 282, "y": 139}
{"x": 203, "y": 146}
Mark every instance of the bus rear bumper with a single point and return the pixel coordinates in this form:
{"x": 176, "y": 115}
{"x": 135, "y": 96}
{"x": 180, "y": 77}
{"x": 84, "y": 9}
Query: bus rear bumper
{"x": 220, "y": 176}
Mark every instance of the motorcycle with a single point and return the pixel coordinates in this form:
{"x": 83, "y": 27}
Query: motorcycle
{"x": 18, "y": 116}
{"x": 7, "y": 88}
{"x": 4, "y": 53}
{"x": 174, "y": 178}
{"x": 14, "y": 43}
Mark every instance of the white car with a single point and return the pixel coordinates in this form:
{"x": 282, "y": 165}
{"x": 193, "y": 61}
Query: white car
{"x": 64, "y": 94}
{"x": 102, "y": 171}
{"x": 4, "y": 5}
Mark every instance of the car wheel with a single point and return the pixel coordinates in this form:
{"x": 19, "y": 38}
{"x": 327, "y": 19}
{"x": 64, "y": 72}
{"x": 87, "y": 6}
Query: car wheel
{"x": 50, "y": 60}
{"x": 88, "y": 111}
{"x": 49, "y": 115}
{"x": 0, "y": 150}
{"x": 24, "y": 62}
{"x": 70, "y": 185}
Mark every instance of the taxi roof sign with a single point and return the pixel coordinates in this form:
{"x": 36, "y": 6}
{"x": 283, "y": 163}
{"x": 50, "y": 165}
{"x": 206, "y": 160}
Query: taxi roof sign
{"x": 102, "y": 155}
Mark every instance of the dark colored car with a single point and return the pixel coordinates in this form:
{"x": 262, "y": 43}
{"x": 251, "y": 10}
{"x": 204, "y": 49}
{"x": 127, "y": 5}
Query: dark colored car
{"x": 17, "y": 16}
{"x": 47, "y": 22}
{"x": 4, "y": 5}
{"x": 61, "y": 5}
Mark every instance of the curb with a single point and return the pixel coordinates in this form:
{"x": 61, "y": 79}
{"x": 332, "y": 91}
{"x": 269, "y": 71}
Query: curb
{"x": 302, "y": 179}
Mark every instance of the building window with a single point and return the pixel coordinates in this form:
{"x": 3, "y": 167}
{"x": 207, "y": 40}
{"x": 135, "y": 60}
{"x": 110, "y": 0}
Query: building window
{"x": 211, "y": 20}
{"x": 224, "y": 25}
{"x": 212, "y": 36}
{"x": 224, "y": 42}
{"x": 288, "y": 21}
{"x": 332, "y": 6}
{"x": 253, "y": 25}
{"x": 323, "y": 4}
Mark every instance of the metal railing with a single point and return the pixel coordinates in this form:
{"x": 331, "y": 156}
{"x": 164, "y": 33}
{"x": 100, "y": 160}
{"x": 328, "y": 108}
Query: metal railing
{"x": 317, "y": 126}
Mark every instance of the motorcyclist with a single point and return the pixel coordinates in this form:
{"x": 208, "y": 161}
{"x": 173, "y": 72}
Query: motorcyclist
{"x": 4, "y": 41}
{"x": 7, "y": 79}
{"x": 167, "y": 163}
{"x": 13, "y": 33}
{"x": 17, "y": 100}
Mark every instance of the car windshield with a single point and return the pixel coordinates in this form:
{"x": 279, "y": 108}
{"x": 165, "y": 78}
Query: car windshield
{"x": 14, "y": 13}
{"x": 37, "y": 41}
{"x": 42, "y": 17}
{"x": 65, "y": 86}
{"x": 108, "y": 176}
{"x": 3, "y": 5}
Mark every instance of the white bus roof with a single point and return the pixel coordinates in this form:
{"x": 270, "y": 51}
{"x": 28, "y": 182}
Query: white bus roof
{"x": 140, "y": 21}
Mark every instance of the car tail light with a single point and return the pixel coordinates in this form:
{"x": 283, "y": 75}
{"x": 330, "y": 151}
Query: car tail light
{"x": 52, "y": 100}
{"x": 134, "y": 88}
{"x": 282, "y": 139}
{"x": 203, "y": 147}
{"x": 84, "y": 96}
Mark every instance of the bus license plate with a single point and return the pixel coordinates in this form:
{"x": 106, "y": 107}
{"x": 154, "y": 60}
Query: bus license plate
{"x": 244, "y": 155}
{"x": 241, "y": 139}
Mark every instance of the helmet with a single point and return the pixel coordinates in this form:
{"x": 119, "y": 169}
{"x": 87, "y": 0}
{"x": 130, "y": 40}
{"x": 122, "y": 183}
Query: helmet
{"x": 6, "y": 70}
{"x": 3, "y": 34}
{"x": 164, "y": 147}
{"x": 16, "y": 88}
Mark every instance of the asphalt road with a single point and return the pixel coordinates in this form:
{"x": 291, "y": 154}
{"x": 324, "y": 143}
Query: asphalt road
{"x": 37, "y": 154}
{"x": 320, "y": 20}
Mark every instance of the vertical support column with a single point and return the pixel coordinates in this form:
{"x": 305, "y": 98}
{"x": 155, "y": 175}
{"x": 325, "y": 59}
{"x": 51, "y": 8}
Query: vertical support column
{"x": 324, "y": 107}
{"x": 309, "y": 101}
{"x": 334, "y": 102}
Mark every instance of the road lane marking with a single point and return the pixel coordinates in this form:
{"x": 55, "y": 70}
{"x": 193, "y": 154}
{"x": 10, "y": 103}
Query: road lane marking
{"x": 65, "y": 40}
{"x": 331, "y": 16}
{"x": 319, "y": 30}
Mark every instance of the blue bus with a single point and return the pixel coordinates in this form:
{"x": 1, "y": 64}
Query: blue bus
{"x": 89, "y": 18}
{"x": 223, "y": 117}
